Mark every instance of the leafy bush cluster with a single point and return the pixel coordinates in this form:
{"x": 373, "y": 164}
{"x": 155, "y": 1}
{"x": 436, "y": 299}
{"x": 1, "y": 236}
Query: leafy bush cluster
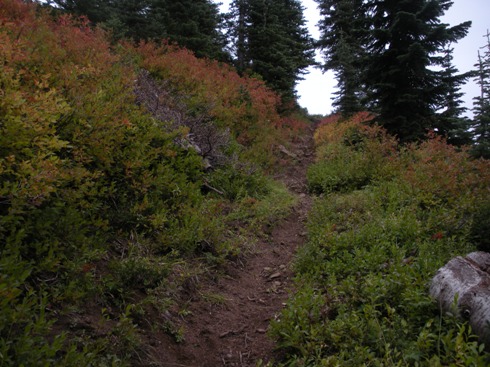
{"x": 215, "y": 91}
{"x": 350, "y": 154}
{"x": 387, "y": 219}
{"x": 100, "y": 200}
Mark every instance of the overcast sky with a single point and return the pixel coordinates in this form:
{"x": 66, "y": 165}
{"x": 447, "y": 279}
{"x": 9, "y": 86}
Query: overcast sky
{"x": 316, "y": 90}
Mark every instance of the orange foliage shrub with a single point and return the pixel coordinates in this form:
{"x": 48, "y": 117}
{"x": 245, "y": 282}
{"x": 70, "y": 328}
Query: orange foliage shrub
{"x": 350, "y": 153}
{"x": 440, "y": 174}
{"x": 245, "y": 105}
{"x": 293, "y": 125}
{"x": 82, "y": 166}
{"x": 228, "y": 95}
{"x": 333, "y": 127}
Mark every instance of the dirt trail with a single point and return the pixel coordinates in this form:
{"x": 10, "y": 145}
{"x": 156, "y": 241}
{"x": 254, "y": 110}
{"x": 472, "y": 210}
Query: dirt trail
{"x": 233, "y": 332}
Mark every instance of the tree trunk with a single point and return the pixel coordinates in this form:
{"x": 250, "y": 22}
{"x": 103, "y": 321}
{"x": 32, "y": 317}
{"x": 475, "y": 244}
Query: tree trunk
{"x": 462, "y": 287}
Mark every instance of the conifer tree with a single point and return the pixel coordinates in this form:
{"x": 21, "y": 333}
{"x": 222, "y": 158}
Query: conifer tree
{"x": 96, "y": 10}
{"x": 481, "y": 124}
{"x": 342, "y": 33}
{"x": 271, "y": 39}
{"x": 237, "y": 29}
{"x": 386, "y": 56}
{"x": 194, "y": 24}
{"x": 406, "y": 37}
{"x": 450, "y": 122}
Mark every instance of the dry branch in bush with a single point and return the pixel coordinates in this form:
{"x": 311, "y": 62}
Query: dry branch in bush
{"x": 166, "y": 104}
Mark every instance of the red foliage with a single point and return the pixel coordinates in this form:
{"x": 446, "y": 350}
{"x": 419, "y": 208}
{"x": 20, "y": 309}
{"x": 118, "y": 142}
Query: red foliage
{"x": 243, "y": 104}
{"x": 359, "y": 117}
{"x": 335, "y": 127}
{"x": 331, "y": 119}
{"x": 229, "y": 96}
{"x": 437, "y": 236}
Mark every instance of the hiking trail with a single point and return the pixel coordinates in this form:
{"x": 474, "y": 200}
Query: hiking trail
{"x": 233, "y": 331}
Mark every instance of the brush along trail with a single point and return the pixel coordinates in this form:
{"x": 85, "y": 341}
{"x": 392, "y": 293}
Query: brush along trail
{"x": 227, "y": 325}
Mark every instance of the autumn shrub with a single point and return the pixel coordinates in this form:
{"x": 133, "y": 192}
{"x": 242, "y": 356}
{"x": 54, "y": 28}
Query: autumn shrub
{"x": 80, "y": 165}
{"x": 350, "y": 154}
{"x": 372, "y": 249}
{"x": 254, "y": 213}
{"x": 88, "y": 174}
{"x": 244, "y": 105}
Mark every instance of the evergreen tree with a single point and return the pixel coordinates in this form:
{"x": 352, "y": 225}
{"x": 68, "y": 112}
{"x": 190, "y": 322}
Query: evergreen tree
{"x": 194, "y": 24}
{"x": 343, "y": 30}
{"x": 271, "y": 39}
{"x": 450, "y": 121}
{"x": 133, "y": 19}
{"x": 481, "y": 127}
{"x": 406, "y": 37}
{"x": 96, "y": 10}
{"x": 238, "y": 25}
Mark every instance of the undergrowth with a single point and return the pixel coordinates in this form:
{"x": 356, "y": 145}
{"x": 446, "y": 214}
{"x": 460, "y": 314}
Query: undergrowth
{"x": 386, "y": 218}
{"x": 110, "y": 210}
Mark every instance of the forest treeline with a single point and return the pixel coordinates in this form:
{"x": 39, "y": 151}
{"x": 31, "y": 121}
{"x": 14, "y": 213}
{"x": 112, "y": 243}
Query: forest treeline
{"x": 391, "y": 58}
{"x": 267, "y": 39}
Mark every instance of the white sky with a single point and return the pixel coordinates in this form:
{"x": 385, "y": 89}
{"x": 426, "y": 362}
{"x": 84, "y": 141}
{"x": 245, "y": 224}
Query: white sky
{"x": 315, "y": 92}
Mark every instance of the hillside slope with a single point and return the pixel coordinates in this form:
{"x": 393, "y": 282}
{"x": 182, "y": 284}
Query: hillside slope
{"x": 386, "y": 218}
{"x": 123, "y": 169}
{"x": 150, "y": 204}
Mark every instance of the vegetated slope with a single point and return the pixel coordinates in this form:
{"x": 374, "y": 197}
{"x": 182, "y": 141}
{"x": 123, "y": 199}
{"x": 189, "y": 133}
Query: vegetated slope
{"x": 386, "y": 219}
{"x": 121, "y": 168}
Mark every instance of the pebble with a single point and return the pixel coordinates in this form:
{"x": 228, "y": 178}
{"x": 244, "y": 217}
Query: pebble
{"x": 275, "y": 275}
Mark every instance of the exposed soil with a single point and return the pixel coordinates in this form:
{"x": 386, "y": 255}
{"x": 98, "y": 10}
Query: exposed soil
{"x": 232, "y": 330}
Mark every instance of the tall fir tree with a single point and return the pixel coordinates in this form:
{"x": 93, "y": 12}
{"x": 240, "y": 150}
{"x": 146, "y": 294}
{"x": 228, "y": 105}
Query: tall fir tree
{"x": 451, "y": 122}
{"x": 194, "y": 24}
{"x": 238, "y": 24}
{"x": 481, "y": 123}
{"x": 271, "y": 39}
{"x": 343, "y": 30}
{"x": 406, "y": 39}
{"x": 95, "y": 10}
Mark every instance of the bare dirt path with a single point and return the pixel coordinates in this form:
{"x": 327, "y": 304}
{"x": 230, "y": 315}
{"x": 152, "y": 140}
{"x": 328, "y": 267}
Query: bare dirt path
{"x": 233, "y": 330}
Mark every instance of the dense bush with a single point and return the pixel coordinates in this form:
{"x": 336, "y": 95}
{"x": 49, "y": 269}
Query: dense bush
{"x": 387, "y": 220}
{"x": 350, "y": 154}
{"x": 99, "y": 197}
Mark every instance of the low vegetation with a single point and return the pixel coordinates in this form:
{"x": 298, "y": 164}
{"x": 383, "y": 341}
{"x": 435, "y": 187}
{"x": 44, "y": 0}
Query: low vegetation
{"x": 131, "y": 172}
{"x": 385, "y": 219}
{"x": 127, "y": 173}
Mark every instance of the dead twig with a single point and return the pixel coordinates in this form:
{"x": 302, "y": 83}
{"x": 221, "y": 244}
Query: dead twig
{"x": 208, "y": 186}
{"x": 231, "y": 332}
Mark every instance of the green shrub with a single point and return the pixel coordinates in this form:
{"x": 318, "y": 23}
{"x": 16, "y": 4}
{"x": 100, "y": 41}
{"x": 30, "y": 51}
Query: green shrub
{"x": 351, "y": 160}
{"x": 480, "y": 227}
{"x": 236, "y": 182}
{"x": 345, "y": 170}
{"x": 362, "y": 278}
